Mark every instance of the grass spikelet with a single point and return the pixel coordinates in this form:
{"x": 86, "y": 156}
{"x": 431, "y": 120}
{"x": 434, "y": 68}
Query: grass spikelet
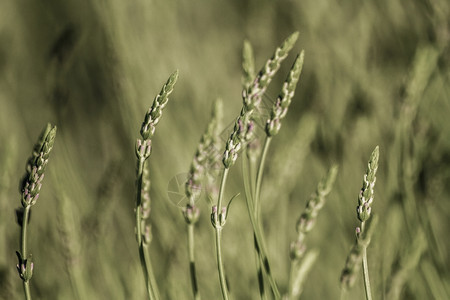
{"x": 301, "y": 263}
{"x": 355, "y": 257}
{"x": 358, "y": 253}
{"x": 142, "y": 210}
{"x": 204, "y": 159}
{"x": 253, "y": 96}
{"x": 365, "y": 197}
{"x": 242, "y": 134}
{"x": 244, "y": 125}
{"x": 32, "y": 181}
{"x": 154, "y": 113}
{"x": 283, "y": 101}
{"x": 308, "y": 218}
{"x": 31, "y": 185}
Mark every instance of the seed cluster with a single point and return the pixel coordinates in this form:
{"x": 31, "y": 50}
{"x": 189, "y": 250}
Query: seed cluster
{"x": 32, "y": 181}
{"x": 143, "y": 151}
{"x": 154, "y": 113}
{"x": 244, "y": 125}
{"x": 308, "y": 218}
{"x": 283, "y": 101}
{"x": 365, "y": 197}
{"x": 204, "y": 159}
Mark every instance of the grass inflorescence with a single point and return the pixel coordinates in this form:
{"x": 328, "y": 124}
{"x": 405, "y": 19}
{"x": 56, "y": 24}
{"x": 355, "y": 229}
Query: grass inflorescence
{"x": 31, "y": 186}
{"x": 142, "y": 210}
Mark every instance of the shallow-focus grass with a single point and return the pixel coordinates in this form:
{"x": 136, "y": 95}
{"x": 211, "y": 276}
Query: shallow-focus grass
{"x": 93, "y": 70}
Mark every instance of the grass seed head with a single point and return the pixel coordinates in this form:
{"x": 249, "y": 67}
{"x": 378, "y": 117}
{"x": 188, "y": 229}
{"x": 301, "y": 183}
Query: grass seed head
{"x": 154, "y": 114}
{"x": 205, "y": 157}
{"x": 365, "y": 197}
{"x": 32, "y": 181}
{"x": 253, "y": 95}
{"x": 244, "y": 126}
{"x": 283, "y": 101}
{"x": 308, "y": 218}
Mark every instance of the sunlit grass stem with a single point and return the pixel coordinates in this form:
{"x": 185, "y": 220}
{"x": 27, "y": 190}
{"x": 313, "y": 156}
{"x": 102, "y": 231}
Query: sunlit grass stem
{"x": 30, "y": 186}
{"x": 219, "y": 217}
{"x": 358, "y": 253}
{"x": 256, "y": 211}
{"x": 259, "y": 176}
{"x": 142, "y": 209}
{"x": 143, "y": 254}
{"x": 365, "y": 268}
{"x": 192, "y": 269}
{"x": 260, "y": 244}
{"x": 23, "y": 248}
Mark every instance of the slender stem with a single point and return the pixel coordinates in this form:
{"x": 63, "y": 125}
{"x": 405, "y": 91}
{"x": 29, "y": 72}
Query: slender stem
{"x": 293, "y": 266}
{"x": 247, "y": 182}
{"x": 263, "y": 256}
{"x": 256, "y": 210}
{"x": 259, "y": 176}
{"x": 246, "y": 174}
{"x": 139, "y": 201}
{"x": 23, "y": 247}
{"x": 365, "y": 268}
{"x": 260, "y": 243}
{"x": 191, "y": 248}
{"x": 143, "y": 251}
{"x": 142, "y": 255}
{"x": 26, "y": 288}
{"x": 366, "y": 274}
{"x": 259, "y": 270}
{"x": 222, "y": 188}
{"x": 251, "y": 172}
{"x": 151, "y": 274}
{"x": 223, "y": 283}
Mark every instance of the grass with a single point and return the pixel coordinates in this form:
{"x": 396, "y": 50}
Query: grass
{"x": 373, "y": 74}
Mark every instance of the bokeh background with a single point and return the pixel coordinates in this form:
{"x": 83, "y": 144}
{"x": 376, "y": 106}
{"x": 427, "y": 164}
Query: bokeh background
{"x": 375, "y": 73}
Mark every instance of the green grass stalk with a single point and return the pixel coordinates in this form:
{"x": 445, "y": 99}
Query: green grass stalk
{"x": 256, "y": 211}
{"x": 218, "y": 220}
{"x": 299, "y": 272}
{"x": 364, "y": 210}
{"x": 247, "y": 176}
{"x": 249, "y": 160}
{"x": 242, "y": 134}
{"x": 142, "y": 210}
{"x": 205, "y": 159}
{"x": 301, "y": 263}
{"x": 259, "y": 176}
{"x": 272, "y": 128}
{"x": 358, "y": 254}
{"x": 192, "y": 269}
{"x": 31, "y": 185}
{"x": 367, "y": 287}
{"x": 143, "y": 254}
{"x": 23, "y": 248}
{"x": 260, "y": 244}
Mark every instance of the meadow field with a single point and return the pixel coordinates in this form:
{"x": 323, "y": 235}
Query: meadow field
{"x": 375, "y": 73}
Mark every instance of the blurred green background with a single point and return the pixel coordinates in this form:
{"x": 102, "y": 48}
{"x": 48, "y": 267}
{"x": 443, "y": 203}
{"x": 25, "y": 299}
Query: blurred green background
{"x": 375, "y": 73}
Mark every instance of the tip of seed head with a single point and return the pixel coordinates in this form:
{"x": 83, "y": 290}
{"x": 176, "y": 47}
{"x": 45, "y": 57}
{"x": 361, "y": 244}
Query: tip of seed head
{"x": 293, "y": 37}
{"x": 376, "y": 151}
{"x": 174, "y": 76}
